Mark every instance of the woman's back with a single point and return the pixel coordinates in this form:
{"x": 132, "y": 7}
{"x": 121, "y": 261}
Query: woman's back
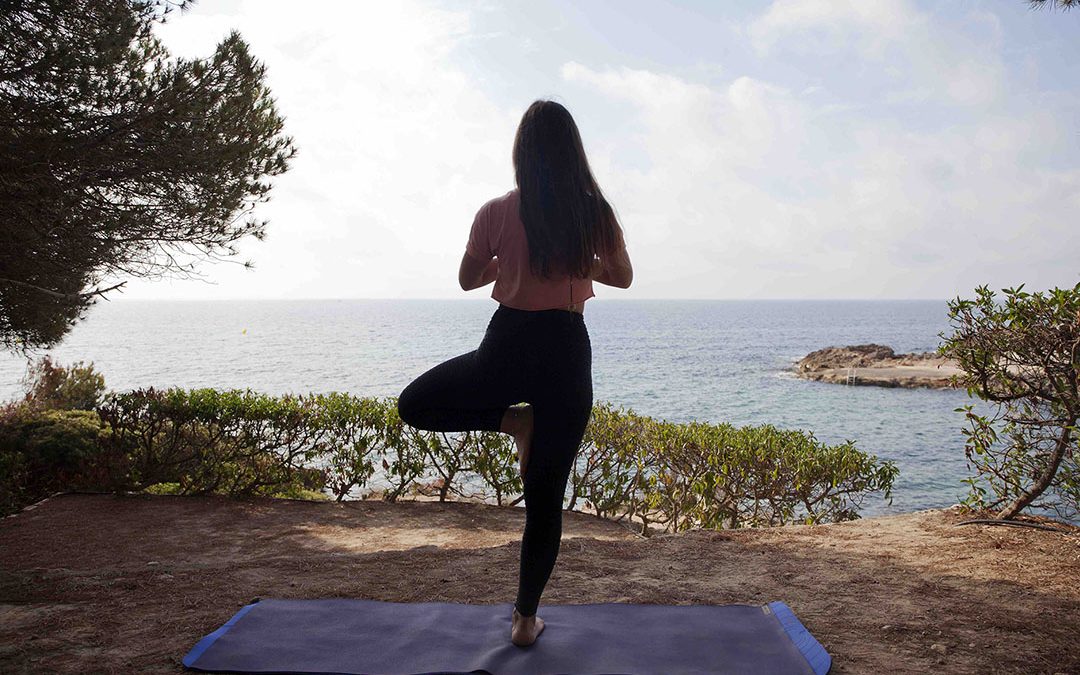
{"x": 498, "y": 231}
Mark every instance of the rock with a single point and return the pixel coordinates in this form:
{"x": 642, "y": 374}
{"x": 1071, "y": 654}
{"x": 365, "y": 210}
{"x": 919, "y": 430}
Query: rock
{"x": 845, "y": 357}
{"x": 877, "y": 365}
{"x": 939, "y": 648}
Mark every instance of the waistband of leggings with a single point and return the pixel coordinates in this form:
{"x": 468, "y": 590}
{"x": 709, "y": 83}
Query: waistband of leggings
{"x": 556, "y": 314}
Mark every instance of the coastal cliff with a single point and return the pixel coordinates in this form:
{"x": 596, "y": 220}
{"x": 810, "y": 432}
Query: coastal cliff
{"x": 878, "y": 366}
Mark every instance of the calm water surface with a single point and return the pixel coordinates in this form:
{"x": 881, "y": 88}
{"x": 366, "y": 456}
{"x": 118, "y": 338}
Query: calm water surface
{"x": 716, "y": 361}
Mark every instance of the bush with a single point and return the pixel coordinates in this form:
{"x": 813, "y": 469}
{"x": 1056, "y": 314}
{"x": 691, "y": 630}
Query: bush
{"x": 660, "y": 475}
{"x": 613, "y": 464}
{"x": 1023, "y": 357}
{"x": 452, "y": 458}
{"x": 51, "y": 440}
{"x": 52, "y": 386}
{"x": 682, "y": 476}
{"x": 227, "y": 442}
{"x": 13, "y": 477}
{"x": 163, "y": 489}
{"x": 405, "y": 452}
{"x": 355, "y": 429}
{"x": 492, "y": 457}
{"x": 44, "y": 451}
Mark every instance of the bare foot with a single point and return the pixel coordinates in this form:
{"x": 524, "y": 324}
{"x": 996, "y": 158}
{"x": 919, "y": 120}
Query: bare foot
{"x": 525, "y": 629}
{"x": 518, "y": 421}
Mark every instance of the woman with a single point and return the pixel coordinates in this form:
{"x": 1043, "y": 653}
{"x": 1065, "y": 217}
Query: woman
{"x": 543, "y": 245}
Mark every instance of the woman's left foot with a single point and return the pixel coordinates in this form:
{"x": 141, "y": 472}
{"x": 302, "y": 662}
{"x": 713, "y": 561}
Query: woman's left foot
{"x": 523, "y": 438}
{"x": 519, "y": 423}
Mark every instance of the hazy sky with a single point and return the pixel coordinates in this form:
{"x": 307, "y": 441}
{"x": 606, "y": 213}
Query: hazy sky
{"x": 787, "y": 149}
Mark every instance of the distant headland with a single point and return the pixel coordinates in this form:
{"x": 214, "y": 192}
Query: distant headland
{"x": 878, "y": 366}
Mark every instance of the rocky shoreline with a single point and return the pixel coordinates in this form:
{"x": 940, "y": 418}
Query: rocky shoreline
{"x": 878, "y": 366}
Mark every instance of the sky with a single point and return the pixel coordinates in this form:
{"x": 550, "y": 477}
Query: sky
{"x": 795, "y": 149}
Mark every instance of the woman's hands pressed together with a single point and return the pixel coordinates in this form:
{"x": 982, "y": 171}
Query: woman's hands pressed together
{"x": 475, "y": 273}
{"x": 617, "y": 271}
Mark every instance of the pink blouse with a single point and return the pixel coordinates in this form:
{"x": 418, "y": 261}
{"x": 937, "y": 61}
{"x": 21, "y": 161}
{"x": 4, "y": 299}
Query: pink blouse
{"x": 498, "y": 231}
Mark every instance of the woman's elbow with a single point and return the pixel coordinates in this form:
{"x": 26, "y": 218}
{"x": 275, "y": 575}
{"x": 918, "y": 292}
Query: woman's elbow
{"x": 616, "y": 278}
{"x": 467, "y": 281}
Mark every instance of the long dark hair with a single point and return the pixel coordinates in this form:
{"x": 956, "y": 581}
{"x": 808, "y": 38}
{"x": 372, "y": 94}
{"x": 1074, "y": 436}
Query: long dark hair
{"x": 567, "y": 220}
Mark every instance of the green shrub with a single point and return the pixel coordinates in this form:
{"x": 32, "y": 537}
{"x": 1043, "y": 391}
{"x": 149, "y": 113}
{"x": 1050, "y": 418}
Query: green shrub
{"x": 680, "y": 476}
{"x": 613, "y": 464}
{"x": 75, "y": 387}
{"x": 355, "y": 430}
{"x": 1023, "y": 357}
{"x": 44, "y": 451}
{"x": 209, "y": 441}
{"x": 492, "y": 457}
{"x": 660, "y": 475}
{"x": 449, "y": 459}
{"x": 297, "y": 492}
{"x": 715, "y": 476}
{"x": 241, "y": 443}
{"x": 405, "y": 450}
{"x": 163, "y": 489}
{"x": 13, "y": 478}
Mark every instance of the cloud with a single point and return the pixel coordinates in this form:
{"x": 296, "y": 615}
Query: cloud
{"x": 924, "y": 57}
{"x": 753, "y": 191}
{"x": 397, "y": 147}
{"x": 872, "y": 24}
{"x": 845, "y": 150}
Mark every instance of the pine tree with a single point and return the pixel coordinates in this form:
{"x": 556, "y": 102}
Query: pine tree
{"x": 117, "y": 160}
{"x": 1054, "y": 4}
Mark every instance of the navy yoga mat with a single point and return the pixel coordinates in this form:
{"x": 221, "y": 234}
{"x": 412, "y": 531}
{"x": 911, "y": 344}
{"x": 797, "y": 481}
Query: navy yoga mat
{"x": 389, "y": 638}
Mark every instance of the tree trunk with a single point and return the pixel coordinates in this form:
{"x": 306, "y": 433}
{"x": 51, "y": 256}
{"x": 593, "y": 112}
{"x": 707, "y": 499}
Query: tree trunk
{"x": 1047, "y": 477}
{"x": 444, "y": 489}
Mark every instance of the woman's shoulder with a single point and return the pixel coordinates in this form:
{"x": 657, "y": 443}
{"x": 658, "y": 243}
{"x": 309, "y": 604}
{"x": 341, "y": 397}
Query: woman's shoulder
{"x": 509, "y": 197}
{"x": 501, "y": 203}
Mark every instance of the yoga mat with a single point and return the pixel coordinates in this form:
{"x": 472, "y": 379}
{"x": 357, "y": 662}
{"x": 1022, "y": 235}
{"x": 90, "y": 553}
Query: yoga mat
{"x": 388, "y": 638}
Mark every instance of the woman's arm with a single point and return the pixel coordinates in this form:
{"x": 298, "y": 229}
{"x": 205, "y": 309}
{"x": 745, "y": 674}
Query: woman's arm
{"x": 475, "y": 273}
{"x": 616, "y": 271}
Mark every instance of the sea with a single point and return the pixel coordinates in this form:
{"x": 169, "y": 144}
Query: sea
{"x": 680, "y": 360}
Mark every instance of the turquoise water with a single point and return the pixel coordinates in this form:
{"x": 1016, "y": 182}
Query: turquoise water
{"x": 708, "y": 360}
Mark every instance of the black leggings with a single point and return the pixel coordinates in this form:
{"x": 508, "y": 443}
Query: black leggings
{"x": 543, "y": 358}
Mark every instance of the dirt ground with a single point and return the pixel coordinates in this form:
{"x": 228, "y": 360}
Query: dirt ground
{"x": 97, "y": 583}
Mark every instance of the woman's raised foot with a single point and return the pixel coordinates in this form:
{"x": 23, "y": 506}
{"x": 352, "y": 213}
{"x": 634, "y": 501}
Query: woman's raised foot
{"x": 519, "y": 423}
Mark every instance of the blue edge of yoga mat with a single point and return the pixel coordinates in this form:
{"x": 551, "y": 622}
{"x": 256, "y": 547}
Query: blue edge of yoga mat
{"x": 816, "y": 657}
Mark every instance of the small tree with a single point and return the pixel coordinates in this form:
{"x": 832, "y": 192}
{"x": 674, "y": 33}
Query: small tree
{"x": 116, "y": 160}
{"x": 1022, "y": 356}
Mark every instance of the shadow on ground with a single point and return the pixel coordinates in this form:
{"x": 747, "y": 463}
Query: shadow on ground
{"x": 129, "y": 584}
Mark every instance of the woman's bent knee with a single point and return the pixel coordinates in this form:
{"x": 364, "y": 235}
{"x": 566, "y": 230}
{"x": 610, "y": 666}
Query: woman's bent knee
{"x": 408, "y": 407}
